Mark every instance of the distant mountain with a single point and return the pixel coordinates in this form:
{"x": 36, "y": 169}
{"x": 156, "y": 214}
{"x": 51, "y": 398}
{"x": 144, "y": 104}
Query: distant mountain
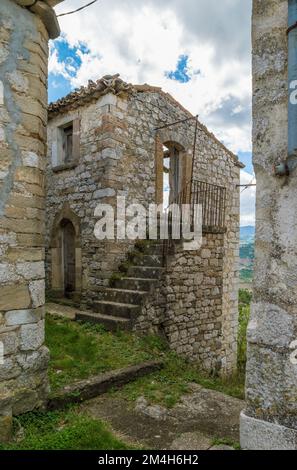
{"x": 247, "y": 234}
{"x": 247, "y": 240}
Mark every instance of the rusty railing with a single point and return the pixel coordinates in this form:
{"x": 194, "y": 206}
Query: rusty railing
{"x": 211, "y": 197}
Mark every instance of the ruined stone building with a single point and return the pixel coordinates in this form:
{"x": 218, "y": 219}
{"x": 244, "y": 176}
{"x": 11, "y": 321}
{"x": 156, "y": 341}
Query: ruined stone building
{"x": 114, "y": 139}
{"x": 25, "y": 27}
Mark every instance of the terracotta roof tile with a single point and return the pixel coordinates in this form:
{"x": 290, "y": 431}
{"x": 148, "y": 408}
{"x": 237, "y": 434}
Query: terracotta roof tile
{"x": 114, "y": 84}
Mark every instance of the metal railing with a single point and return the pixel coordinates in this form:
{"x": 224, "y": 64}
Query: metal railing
{"x": 211, "y": 197}
{"x": 213, "y": 201}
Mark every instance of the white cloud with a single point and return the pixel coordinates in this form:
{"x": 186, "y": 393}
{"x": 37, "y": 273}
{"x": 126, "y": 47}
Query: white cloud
{"x": 144, "y": 39}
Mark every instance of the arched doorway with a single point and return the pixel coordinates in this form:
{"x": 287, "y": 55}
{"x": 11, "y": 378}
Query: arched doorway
{"x": 68, "y": 248}
{"x": 65, "y": 263}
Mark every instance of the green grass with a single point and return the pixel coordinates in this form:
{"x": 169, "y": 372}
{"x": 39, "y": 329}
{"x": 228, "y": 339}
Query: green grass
{"x": 65, "y": 430}
{"x": 245, "y": 298}
{"x": 226, "y": 442}
{"x": 166, "y": 387}
{"x": 80, "y": 350}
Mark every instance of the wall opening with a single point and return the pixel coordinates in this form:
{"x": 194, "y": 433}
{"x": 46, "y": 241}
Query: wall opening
{"x": 65, "y": 260}
{"x": 68, "y": 259}
{"x": 172, "y": 172}
{"x": 67, "y": 139}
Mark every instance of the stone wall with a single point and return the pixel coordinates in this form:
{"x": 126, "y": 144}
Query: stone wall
{"x": 270, "y": 419}
{"x": 23, "y": 119}
{"x": 188, "y": 306}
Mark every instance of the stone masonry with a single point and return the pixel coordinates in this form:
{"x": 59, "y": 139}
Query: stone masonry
{"x": 24, "y": 35}
{"x": 116, "y": 151}
{"x": 270, "y": 418}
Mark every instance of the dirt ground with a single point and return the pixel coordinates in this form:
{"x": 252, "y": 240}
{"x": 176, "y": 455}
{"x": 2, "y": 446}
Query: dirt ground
{"x": 200, "y": 417}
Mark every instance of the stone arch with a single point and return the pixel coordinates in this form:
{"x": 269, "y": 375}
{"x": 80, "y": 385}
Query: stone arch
{"x": 66, "y": 224}
{"x": 179, "y": 148}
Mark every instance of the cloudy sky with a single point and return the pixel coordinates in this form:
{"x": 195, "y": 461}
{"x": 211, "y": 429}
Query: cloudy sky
{"x": 197, "y": 50}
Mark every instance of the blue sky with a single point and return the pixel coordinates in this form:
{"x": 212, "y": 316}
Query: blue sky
{"x": 171, "y": 44}
{"x": 70, "y": 59}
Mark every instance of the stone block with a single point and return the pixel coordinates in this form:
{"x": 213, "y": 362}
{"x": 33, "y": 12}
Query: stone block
{"x": 9, "y": 370}
{"x": 37, "y": 292}
{"x": 34, "y": 361}
{"x": 29, "y": 175}
{"x": 108, "y": 99}
{"x": 205, "y": 253}
{"x": 22, "y": 254}
{"x": 21, "y": 317}
{"x": 9, "y": 338}
{"x": 7, "y": 273}
{"x": 101, "y": 193}
{"x": 31, "y": 159}
{"x": 30, "y": 271}
{"x": 32, "y": 336}
{"x": 14, "y": 297}
{"x": 271, "y": 325}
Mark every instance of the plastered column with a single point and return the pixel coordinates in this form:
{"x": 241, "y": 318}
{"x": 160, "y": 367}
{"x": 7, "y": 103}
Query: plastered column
{"x": 270, "y": 418}
{"x": 23, "y": 119}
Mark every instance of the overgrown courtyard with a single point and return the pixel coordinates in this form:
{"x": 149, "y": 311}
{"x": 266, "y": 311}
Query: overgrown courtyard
{"x": 79, "y": 351}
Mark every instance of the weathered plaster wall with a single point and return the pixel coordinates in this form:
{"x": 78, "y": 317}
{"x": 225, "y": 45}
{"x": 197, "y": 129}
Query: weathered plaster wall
{"x": 270, "y": 419}
{"x": 23, "y": 117}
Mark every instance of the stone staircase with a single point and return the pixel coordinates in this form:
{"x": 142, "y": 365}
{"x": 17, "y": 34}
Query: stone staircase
{"x": 118, "y": 306}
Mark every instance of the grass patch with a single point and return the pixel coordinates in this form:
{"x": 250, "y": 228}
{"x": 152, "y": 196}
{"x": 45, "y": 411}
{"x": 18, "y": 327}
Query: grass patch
{"x": 166, "y": 387}
{"x": 226, "y": 442}
{"x": 65, "y": 430}
{"x": 80, "y": 350}
{"x": 245, "y": 297}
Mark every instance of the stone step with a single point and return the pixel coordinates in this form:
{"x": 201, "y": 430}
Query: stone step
{"x": 147, "y": 272}
{"x": 116, "y": 309}
{"x": 134, "y": 283}
{"x": 150, "y": 260}
{"x": 123, "y": 296}
{"x": 109, "y": 322}
{"x": 155, "y": 249}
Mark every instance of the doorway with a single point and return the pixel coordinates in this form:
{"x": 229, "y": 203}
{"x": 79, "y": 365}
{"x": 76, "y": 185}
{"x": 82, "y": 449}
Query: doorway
{"x": 65, "y": 260}
{"x": 172, "y": 173}
{"x": 68, "y": 244}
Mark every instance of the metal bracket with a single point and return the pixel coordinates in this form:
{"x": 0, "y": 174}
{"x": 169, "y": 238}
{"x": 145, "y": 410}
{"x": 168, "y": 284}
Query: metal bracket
{"x": 294, "y": 26}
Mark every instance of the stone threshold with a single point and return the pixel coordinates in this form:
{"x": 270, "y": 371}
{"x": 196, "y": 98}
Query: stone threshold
{"x": 92, "y": 387}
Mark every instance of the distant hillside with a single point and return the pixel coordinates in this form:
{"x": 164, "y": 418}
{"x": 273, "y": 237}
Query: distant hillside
{"x": 247, "y": 234}
{"x": 247, "y": 239}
